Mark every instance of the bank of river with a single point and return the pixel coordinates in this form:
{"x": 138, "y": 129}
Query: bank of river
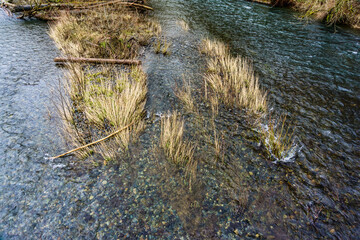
{"x": 311, "y": 75}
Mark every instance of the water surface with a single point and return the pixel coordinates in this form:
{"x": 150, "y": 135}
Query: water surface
{"x": 311, "y": 74}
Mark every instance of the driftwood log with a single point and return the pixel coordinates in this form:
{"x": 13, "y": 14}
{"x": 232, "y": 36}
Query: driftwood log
{"x": 97, "y": 60}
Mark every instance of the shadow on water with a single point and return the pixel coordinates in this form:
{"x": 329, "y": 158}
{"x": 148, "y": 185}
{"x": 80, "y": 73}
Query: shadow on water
{"x": 311, "y": 75}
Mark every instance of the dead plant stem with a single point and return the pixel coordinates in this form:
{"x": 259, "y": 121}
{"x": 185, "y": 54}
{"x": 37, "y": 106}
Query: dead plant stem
{"x": 93, "y": 143}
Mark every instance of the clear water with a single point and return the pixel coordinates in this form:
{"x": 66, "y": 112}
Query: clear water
{"x": 311, "y": 74}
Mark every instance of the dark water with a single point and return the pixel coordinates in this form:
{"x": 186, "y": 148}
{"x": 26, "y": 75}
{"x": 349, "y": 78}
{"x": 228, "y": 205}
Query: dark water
{"x": 312, "y": 75}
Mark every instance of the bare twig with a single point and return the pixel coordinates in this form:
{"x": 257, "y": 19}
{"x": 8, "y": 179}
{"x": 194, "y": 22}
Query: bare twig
{"x": 119, "y": 2}
{"x": 93, "y": 143}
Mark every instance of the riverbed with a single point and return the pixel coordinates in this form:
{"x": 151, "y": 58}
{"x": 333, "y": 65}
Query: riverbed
{"x": 311, "y": 74}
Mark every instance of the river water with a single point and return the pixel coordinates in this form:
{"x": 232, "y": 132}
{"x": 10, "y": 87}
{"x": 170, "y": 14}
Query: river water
{"x": 311, "y": 74}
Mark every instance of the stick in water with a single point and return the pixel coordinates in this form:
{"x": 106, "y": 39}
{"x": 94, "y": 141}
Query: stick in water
{"x": 90, "y": 144}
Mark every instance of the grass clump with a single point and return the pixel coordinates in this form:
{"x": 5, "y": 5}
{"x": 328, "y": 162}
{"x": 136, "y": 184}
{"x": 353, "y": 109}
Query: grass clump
{"x": 178, "y": 151}
{"x": 161, "y": 47}
{"x": 185, "y": 95}
{"x": 108, "y": 33}
{"x": 116, "y": 101}
{"x": 165, "y": 49}
{"x": 231, "y": 80}
{"x": 277, "y": 139}
{"x": 184, "y": 25}
{"x": 101, "y": 102}
{"x": 330, "y": 11}
{"x": 97, "y": 101}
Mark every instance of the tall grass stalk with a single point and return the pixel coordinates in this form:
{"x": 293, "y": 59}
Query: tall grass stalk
{"x": 277, "y": 139}
{"x": 178, "y": 151}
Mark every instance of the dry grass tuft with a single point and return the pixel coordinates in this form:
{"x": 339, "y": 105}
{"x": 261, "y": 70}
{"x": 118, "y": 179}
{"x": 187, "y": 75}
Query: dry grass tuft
{"x": 97, "y": 103}
{"x": 110, "y": 32}
{"x": 330, "y": 11}
{"x": 165, "y": 49}
{"x": 162, "y": 46}
{"x": 213, "y": 48}
{"x": 231, "y": 80}
{"x": 219, "y": 148}
{"x": 115, "y": 102}
{"x": 185, "y": 95}
{"x": 176, "y": 149}
{"x": 184, "y": 25}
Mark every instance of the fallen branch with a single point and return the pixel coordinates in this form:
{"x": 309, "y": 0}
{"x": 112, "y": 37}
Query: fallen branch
{"x": 98, "y": 60}
{"x": 23, "y": 8}
{"x": 93, "y": 143}
{"x": 119, "y": 2}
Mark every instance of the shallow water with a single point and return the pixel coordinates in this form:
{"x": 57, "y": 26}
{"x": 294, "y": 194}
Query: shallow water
{"x": 312, "y": 76}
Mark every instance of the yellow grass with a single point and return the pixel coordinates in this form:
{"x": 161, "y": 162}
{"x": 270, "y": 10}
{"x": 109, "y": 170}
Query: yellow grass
{"x": 184, "y": 25}
{"x": 109, "y": 32}
{"x": 101, "y": 102}
{"x": 213, "y": 48}
{"x": 332, "y": 11}
{"x": 231, "y": 80}
{"x": 97, "y": 101}
{"x": 117, "y": 102}
{"x": 175, "y": 147}
{"x": 178, "y": 150}
{"x": 185, "y": 95}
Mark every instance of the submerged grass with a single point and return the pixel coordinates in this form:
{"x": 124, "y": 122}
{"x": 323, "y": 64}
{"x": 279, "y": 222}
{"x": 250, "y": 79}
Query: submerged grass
{"x": 277, "y": 139}
{"x": 161, "y": 46}
{"x": 184, "y": 25}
